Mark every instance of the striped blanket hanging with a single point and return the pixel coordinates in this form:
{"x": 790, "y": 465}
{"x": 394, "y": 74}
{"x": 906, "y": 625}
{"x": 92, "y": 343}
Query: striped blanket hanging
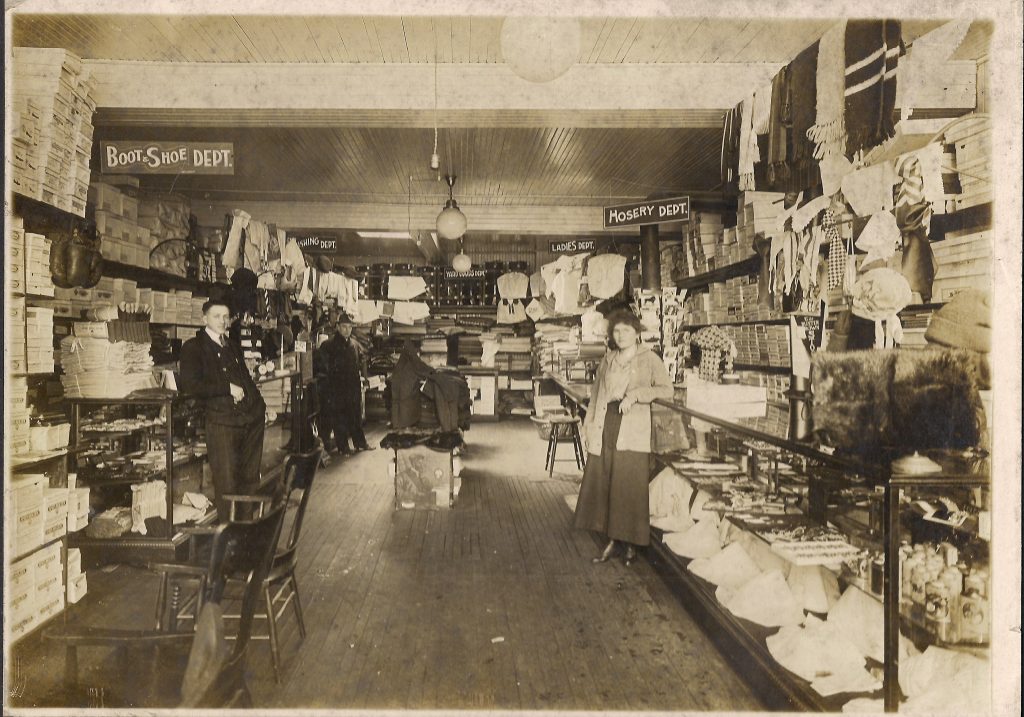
{"x": 872, "y": 50}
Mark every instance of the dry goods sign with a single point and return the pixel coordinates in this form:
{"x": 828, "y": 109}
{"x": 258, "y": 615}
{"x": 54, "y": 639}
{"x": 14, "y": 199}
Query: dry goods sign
{"x": 654, "y": 211}
{"x": 167, "y": 158}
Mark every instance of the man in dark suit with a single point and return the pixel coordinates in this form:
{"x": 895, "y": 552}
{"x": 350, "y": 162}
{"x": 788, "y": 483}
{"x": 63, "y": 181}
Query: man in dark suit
{"x": 212, "y": 370}
{"x": 345, "y": 384}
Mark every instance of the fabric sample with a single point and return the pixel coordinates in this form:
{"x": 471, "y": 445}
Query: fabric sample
{"x": 821, "y": 655}
{"x": 815, "y": 587}
{"x": 859, "y": 618}
{"x": 669, "y": 500}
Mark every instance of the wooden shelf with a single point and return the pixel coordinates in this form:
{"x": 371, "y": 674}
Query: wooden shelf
{"x": 730, "y": 271}
{"x": 761, "y": 367}
{"x": 153, "y": 279}
{"x": 751, "y": 322}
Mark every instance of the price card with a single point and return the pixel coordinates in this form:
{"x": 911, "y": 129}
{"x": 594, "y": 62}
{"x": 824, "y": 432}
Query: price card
{"x": 300, "y": 347}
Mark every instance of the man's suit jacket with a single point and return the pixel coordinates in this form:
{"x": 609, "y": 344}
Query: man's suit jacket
{"x": 207, "y": 371}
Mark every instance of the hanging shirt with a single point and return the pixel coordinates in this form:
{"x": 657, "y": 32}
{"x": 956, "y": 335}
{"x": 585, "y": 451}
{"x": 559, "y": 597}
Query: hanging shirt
{"x": 513, "y": 285}
{"x": 536, "y": 284}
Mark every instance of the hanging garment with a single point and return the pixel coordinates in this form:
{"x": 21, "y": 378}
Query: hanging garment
{"x": 730, "y": 155}
{"x": 751, "y": 110}
{"x": 513, "y": 285}
{"x": 836, "y": 250}
{"x": 606, "y": 275}
{"x": 834, "y": 169}
{"x": 366, "y": 311}
{"x": 778, "y": 129}
{"x": 536, "y": 284}
{"x": 550, "y": 271}
{"x": 869, "y": 190}
{"x": 294, "y": 264}
{"x": 828, "y": 132}
{"x": 803, "y": 169}
{"x": 715, "y": 346}
{"x": 802, "y": 216}
{"x": 409, "y": 312}
{"x": 594, "y": 326}
{"x": 762, "y": 245}
{"x": 306, "y": 289}
{"x": 511, "y": 311}
{"x": 257, "y": 238}
{"x": 403, "y": 288}
{"x": 232, "y": 258}
{"x": 880, "y": 238}
{"x": 919, "y": 264}
{"x": 872, "y": 49}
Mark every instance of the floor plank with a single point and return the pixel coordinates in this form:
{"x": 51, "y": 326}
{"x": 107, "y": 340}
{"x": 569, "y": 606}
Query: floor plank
{"x": 403, "y": 607}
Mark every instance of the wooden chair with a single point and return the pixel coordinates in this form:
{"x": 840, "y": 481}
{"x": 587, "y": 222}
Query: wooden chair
{"x": 280, "y": 588}
{"x": 214, "y": 674}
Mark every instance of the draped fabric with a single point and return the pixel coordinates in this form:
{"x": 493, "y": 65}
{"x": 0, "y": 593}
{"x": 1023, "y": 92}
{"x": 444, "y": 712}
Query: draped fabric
{"x": 803, "y": 170}
{"x": 872, "y": 50}
{"x": 730, "y": 148}
{"x": 778, "y": 129}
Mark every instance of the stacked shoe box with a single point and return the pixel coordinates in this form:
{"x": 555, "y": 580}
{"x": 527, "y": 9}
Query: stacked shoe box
{"x": 760, "y": 344}
{"x": 18, "y": 432}
{"x": 26, "y": 503}
{"x": 49, "y": 587}
{"x": 55, "y": 522}
{"x": 775, "y": 384}
{"x": 53, "y": 110}
{"x": 37, "y": 265}
{"x": 964, "y": 261}
{"x": 39, "y": 352}
{"x": 116, "y": 213}
{"x": 78, "y": 507}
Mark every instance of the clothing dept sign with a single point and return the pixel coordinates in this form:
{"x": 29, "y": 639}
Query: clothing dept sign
{"x": 167, "y": 157}
{"x": 654, "y": 211}
{"x": 316, "y": 243}
{"x": 572, "y": 246}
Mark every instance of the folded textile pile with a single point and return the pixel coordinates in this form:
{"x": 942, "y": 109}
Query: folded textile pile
{"x": 98, "y": 368}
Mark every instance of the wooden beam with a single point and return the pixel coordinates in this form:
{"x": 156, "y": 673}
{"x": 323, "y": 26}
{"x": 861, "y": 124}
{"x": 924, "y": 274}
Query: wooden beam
{"x": 219, "y": 87}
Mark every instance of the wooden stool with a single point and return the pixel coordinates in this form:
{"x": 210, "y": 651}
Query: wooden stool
{"x": 563, "y": 427}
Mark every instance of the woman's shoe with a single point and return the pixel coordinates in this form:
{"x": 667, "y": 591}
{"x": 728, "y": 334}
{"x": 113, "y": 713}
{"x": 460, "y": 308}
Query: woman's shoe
{"x": 630, "y": 555}
{"x": 607, "y": 553}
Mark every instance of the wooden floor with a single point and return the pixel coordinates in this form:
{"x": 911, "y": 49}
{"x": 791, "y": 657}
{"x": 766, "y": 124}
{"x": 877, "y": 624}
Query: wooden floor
{"x": 493, "y": 604}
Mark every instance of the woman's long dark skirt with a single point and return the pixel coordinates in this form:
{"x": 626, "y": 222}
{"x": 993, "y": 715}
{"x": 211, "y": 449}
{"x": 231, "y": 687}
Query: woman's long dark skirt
{"x": 613, "y": 498}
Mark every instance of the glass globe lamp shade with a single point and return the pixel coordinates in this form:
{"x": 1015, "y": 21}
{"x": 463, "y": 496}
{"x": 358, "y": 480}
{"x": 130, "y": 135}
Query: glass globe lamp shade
{"x": 462, "y": 263}
{"x": 451, "y": 222}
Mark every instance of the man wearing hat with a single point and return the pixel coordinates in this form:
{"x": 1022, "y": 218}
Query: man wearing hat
{"x": 345, "y": 381}
{"x": 212, "y": 369}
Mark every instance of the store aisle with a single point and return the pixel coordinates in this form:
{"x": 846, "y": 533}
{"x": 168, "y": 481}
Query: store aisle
{"x": 494, "y": 604}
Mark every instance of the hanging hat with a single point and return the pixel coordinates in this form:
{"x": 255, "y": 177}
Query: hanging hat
{"x": 880, "y": 293}
{"x": 964, "y": 322}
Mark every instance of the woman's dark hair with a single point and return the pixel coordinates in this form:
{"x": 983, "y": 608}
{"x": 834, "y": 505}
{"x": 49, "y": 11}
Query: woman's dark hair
{"x": 622, "y": 316}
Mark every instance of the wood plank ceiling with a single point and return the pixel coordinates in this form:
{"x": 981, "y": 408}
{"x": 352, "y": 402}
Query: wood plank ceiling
{"x": 497, "y": 165}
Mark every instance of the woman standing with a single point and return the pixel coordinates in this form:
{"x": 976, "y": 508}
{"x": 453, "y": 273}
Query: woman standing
{"x": 613, "y": 497}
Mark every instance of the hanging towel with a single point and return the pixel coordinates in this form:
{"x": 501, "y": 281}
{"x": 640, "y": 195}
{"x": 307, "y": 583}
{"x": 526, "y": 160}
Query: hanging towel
{"x": 778, "y": 129}
{"x": 872, "y": 50}
{"x": 828, "y": 132}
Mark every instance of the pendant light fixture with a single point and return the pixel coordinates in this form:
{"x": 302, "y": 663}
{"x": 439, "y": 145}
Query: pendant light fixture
{"x": 451, "y": 222}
